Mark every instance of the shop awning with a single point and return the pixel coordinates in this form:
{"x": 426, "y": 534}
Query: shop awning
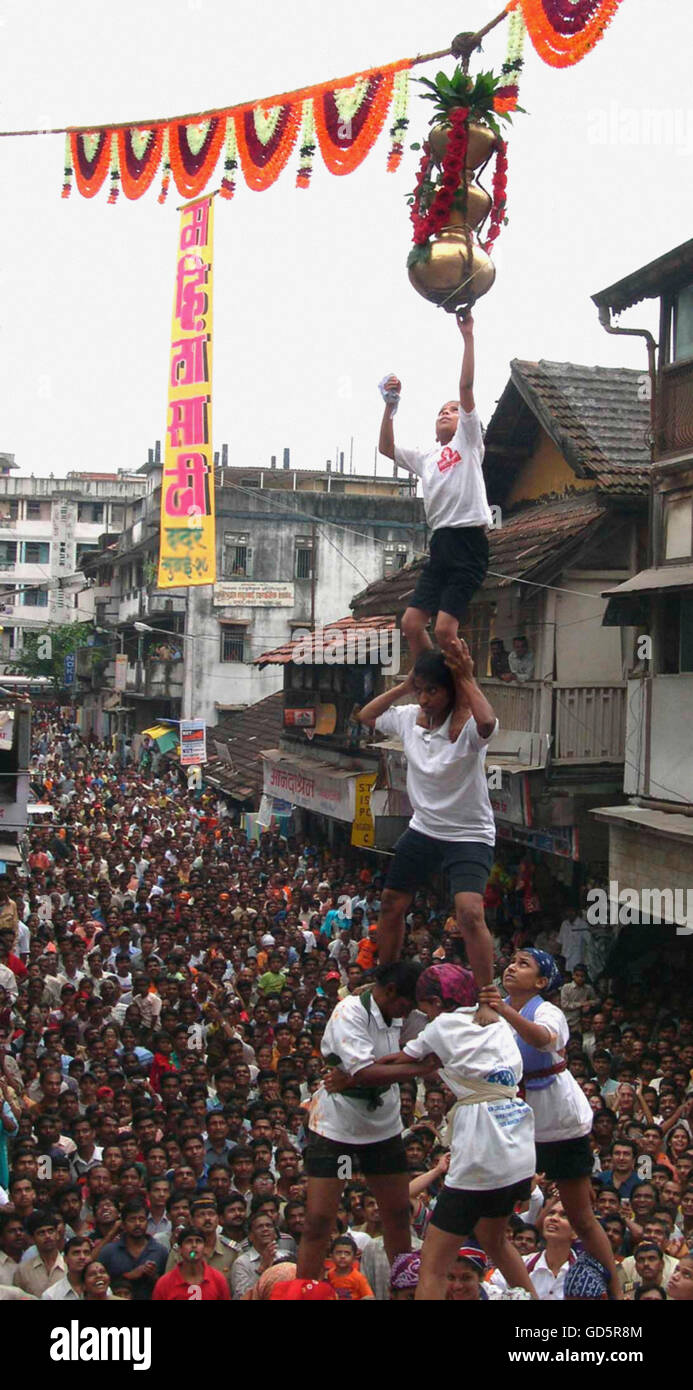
{"x": 40, "y": 808}
{"x": 313, "y": 783}
{"x": 9, "y": 854}
{"x": 165, "y": 738}
{"x": 653, "y": 581}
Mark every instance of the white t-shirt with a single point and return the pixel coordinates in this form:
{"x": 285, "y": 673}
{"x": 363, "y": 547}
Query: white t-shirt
{"x": 549, "y": 1286}
{"x": 358, "y": 1040}
{"x": 454, "y": 492}
{"x": 561, "y": 1111}
{"x": 446, "y": 782}
{"x": 493, "y": 1141}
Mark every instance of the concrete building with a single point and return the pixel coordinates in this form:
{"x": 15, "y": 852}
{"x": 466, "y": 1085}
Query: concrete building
{"x": 47, "y": 527}
{"x": 651, "y": 834}
{"x": 292, "y": 546}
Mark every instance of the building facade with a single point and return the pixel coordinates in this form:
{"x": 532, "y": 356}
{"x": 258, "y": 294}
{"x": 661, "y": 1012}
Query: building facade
{"x": 292, "y": 546}
{"x": 47, "y": 528}
{"x": 651, "y": 834}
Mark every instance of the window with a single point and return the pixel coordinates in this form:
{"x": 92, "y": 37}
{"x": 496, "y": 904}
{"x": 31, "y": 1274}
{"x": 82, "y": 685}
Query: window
{"x": 90, "y": 511}
{"x": 251, "y": 482}
{"x": 8, "y": 554}
{"x": 232, "y": 642}
{"x": 395, "y": 558}
{"x": 83, "y": 548}
{"x": 683, "y": 325}
{"x": 33, "y": 511}
{"x": 676, "y": 635}
{"x": 237, "y": 555}
{"x": 303, "y": 567}
{"x": 678, "y": 528}
{"x": 35, "y": 598}
{"x": 36, "y": 552}
{"x": 14, "y": 508}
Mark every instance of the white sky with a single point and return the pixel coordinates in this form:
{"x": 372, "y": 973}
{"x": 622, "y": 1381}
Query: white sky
{"x": 312, "y": 299}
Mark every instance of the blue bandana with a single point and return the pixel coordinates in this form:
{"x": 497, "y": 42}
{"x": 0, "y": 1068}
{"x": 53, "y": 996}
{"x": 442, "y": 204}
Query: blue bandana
{"x": 587, "y": 1278}
{"x": 547, "y": 966}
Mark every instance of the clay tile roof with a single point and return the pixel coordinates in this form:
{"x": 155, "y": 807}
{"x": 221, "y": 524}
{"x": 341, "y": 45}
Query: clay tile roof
{"x": 596, "y": 416}
{"x": 325, "y": 639}
{"x": 535, "y": 540}
{"x": 236, "y": 766}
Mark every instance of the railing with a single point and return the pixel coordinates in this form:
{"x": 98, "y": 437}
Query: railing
{"x": 674, "y": 427}
{"x": 517, "y": 704}
{"x": 587, "y": 722}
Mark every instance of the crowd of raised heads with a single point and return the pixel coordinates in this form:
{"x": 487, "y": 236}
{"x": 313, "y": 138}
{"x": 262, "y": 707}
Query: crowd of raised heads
{"x": 165, "y": 984}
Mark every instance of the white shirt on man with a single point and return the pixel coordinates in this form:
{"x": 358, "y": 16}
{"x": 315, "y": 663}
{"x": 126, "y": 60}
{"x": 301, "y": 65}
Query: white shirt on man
{"x": 446, "y": 782}
{"x": 454, "y": 492}
{"x": 492, "y": 1141}
{"x": 358, "y": 1038}
{"x": 561, "y": 1110}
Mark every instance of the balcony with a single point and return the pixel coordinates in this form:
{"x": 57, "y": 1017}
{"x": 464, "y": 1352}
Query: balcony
{"x": 586, "y": 722}
{"x": 674, "y": 426}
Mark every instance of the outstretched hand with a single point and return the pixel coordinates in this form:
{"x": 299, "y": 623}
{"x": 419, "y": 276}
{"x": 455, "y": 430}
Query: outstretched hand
{"x": 465, "y": 323}
{"x": 459, "y": 658}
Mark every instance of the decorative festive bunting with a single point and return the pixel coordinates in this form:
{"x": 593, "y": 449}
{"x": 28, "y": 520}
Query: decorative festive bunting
{"x": 343, "y": 118}
{"x": 565, "y": 31}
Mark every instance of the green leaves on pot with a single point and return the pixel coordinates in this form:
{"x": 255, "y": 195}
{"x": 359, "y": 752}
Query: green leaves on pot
{"x": 418, "y": 255}
{"x": 475, "y": 92}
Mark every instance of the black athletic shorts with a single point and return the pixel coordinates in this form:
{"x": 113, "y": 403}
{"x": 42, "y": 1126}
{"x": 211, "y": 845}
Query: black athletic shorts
{"x": 457, "y": 1209}
{"x": 466, "y": 863}
{"x": 324, "y": 1158}
{"x": 455, "y": 569}
{"x": 566, "y": 1158}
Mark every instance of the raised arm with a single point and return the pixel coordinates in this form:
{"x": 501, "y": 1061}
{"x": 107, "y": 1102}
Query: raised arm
{"x": 467, "y": 692}
{"x": 536, "y": 1034}
{"x": 386, "y": 443}
{"x": 465, "y": 323}
{"x": 381, "y": 703}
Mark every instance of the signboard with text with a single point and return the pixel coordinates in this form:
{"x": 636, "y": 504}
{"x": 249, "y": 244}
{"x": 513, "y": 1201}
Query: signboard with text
{"x": 248, "y": 593}
{"x": 314, "y": 791}
{"x": 193, "y": 742}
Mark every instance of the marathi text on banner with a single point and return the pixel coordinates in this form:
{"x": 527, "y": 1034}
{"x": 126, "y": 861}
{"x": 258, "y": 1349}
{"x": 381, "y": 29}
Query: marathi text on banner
{"x": 187, "y": 553}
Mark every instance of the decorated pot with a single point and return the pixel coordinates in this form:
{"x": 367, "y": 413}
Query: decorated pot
{"x": 478, "y": 207}
{"x": 480, "y": 147}
{"x": 457, "y": 272}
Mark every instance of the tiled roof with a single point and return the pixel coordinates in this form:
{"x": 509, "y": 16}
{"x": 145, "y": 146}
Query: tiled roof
{"x": 535, "y": 541}
{"x": 595, "y": 415}
{"x": 323, "y": 640}
{"x": 237, "y": 769}
{"x": 666, "y": 273}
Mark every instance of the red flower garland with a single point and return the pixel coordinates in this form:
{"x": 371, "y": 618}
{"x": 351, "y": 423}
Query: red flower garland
{"x": 428, "y": 224}
{"x": 500, "y": 184}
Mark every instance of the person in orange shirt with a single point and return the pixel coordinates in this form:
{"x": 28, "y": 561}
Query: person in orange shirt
{"x": 344, "y": 1278}
{"x": 368, "y": 950}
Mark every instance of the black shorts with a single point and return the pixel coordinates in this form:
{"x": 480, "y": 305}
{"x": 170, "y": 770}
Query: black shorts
{"x": 455, "y": 569}
{"x": 565, "y": 1158}
{"x": 466, "y": 863}
{"x": 324, "y": 1158}
{"x": 458, "y": 1210}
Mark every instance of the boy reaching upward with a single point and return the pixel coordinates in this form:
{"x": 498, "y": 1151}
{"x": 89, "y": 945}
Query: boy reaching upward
{"x": 457, "y": 510}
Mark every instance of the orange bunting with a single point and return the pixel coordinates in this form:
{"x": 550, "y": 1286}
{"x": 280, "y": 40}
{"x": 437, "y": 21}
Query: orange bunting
{"x": 565, "y": 31}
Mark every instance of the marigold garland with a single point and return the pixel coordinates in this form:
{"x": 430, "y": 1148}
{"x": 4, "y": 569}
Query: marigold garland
{"x": 228, "y": 183}
{"x": 138, "y": 158}
{"x": 345, "y": 144}
{"x": 307, "y": 146}
{"x": 344, "y": 117}
{"x": 166, "y": 162}
{"x": 262, "y": 161}
{"x": 400, "y": 123}
{"x": 192, "y": 169}
{"x": 67, "y": 183}
{"x": 505, "y": 99}
{"x": 565, "y": 31}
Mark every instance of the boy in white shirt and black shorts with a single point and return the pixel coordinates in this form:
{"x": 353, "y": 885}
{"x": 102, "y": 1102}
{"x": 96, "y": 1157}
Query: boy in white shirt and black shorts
{"x": 457, "y": 509}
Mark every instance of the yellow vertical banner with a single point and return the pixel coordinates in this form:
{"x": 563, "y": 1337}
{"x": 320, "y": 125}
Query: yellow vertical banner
{"x": 363, "y": 826}
{"x": 187, "y": 549}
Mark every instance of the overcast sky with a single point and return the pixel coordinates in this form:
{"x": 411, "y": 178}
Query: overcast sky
{"x": 312, "y": 300}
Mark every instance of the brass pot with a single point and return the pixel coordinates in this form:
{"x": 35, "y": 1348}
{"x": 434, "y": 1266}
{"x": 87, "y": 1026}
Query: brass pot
{"x": 479, "y": 149}
{"x": 478, "y": 206}
{"x": 451, "y": 277}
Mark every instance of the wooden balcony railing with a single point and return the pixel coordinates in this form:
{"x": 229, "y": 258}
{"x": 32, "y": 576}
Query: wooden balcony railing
{"x": 586, "y": 722}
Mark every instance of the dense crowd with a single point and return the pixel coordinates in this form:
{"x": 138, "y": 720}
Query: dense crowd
{"x": 165, "y": 985}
